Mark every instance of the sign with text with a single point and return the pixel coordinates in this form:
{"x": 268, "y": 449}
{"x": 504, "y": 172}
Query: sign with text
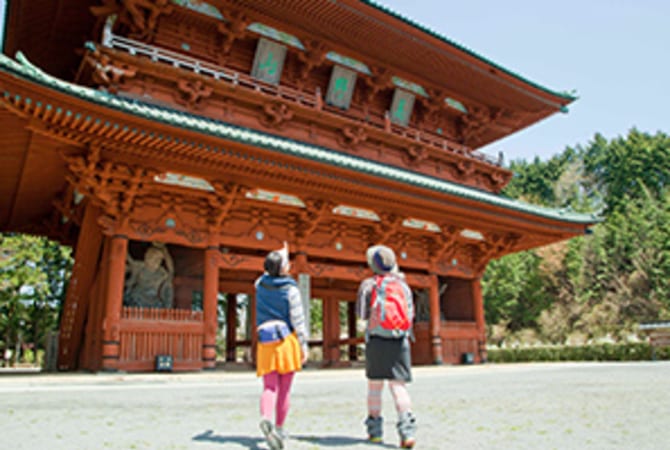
{"x": 269, "y": 61}
{"x": 401, "y": 107}
{"x": 341, "y": 87}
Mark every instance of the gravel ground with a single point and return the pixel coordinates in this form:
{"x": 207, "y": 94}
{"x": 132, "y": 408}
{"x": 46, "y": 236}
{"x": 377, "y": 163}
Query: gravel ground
{"x": 515, "y": 406}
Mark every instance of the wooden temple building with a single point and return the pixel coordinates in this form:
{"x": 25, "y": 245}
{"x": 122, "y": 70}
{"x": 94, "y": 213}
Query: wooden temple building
{"x": 173, "y": 143}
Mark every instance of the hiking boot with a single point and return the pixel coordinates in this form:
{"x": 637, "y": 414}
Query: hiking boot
{"x": 375, "y": 429}
{"x": 271, "y": 437}
{"x": 282, "y": 433}
{"x": 407, "y": 429}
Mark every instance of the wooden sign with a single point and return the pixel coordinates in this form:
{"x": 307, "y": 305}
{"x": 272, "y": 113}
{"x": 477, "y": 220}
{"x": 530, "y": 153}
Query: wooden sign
{"x": 401, "y": 107}
{"x": 269, "y": 61}
{"x": 341, "y": 87}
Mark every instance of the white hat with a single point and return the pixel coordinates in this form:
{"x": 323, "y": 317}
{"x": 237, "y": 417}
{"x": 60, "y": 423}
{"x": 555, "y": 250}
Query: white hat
{"x": 381, "y": 259}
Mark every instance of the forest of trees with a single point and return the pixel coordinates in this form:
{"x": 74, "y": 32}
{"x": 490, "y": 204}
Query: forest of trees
{"x": 598, "y": 286}
{"x": 593, "y": 287}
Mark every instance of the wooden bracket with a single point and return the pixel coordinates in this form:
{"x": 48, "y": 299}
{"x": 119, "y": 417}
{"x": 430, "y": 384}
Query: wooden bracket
{"x": 315, "y": 211}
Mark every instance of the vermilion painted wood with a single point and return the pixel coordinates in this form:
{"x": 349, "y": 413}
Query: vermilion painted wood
{"x": 77, "y": 302}
{"x": 91, "y": 183}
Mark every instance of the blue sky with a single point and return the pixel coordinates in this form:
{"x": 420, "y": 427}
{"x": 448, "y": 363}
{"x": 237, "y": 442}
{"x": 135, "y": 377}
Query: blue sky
{"x": 614, "y": 53}
{"x": 2, "y": 21}
{"x": 610, "y": 51}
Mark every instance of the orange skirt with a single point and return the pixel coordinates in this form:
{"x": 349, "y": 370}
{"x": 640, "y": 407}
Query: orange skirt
{"x": 284, "y": 356}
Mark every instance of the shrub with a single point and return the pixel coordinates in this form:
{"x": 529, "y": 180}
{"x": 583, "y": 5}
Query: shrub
{"x": 638, "y": 351}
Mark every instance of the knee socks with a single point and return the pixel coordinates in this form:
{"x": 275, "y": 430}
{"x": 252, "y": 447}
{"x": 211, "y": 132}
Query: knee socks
{"x": 375, "y": 397}
{"x": 400, "y": 396}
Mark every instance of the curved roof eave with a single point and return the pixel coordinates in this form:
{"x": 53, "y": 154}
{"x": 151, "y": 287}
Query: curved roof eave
{"x": 388, "y": 11}
{"x": 25, "y": 70}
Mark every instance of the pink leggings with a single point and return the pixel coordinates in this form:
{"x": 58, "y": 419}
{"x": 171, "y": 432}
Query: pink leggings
{"x": 276, "y": 389}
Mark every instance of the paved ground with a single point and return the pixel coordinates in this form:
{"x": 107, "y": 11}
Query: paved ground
{"x": 525, "y": 406}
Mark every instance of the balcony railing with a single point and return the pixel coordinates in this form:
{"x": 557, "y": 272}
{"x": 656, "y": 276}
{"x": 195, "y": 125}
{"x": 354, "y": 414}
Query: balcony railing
{"x": 175, "y": 315}
{"x": 179, "y": 60}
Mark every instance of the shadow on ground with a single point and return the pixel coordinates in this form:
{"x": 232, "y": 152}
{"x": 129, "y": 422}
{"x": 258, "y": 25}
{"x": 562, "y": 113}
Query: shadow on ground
{"x": 252, "y": 443}
{"x": 337, "y": 441}
{"x": 244, "y": 441}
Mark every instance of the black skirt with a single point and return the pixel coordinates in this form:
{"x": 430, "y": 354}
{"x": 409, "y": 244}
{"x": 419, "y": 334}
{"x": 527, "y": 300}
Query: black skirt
{"x": 388, "y": 359}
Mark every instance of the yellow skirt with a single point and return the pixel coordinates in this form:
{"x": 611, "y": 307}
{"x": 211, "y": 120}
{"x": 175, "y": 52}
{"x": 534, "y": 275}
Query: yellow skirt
{"x": 284, "y": 356}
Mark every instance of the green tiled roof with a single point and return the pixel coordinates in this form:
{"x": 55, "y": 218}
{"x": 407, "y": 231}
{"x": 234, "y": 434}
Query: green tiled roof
{"x": 22, "y": 68}
{"x": 390, "y": 12}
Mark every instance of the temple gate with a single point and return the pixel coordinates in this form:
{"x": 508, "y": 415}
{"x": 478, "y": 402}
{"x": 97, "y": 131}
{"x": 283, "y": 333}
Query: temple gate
{"x": 195, "y": 137}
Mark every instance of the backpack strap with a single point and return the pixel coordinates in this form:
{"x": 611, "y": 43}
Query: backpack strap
{"x": 381, "y": 297}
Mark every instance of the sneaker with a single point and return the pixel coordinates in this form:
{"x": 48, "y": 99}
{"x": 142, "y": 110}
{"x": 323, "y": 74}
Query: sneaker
{"x": 271, "y": 437}
{"x": 407, "y": 430}
{"x": 375, "y": 430}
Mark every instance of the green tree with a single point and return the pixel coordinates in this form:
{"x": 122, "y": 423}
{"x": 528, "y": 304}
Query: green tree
{"x": 607, "y": 282}
{"x": 513, "y": 289}
{"x": 536, "y": 181}
{"x": 33, "y": 274}
{"x": 624, "y": 167}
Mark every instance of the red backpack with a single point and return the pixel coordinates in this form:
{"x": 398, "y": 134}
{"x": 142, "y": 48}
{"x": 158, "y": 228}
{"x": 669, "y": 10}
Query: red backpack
{"x": 390, "y": 307}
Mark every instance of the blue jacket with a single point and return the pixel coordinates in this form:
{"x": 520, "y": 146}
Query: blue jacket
{"x": 272, "y": 299}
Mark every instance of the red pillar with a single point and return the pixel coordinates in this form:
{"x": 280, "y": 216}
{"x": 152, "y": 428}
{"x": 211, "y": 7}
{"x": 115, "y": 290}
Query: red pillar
{"x": 351, "y": 328}
{"x": 231, "y": 327}
{"x": 300, "y": 264}
{"x": 478, "y": 301}
{"x": 79, "y": 298}
{"x": 435, "y": 321}
{"x": 116, "y": 266}
{"x": 331, "y": 331}
{"x": 209, "y": 300}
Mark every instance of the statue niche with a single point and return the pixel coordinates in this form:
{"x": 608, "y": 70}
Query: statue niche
{"x": 149, "y": 281}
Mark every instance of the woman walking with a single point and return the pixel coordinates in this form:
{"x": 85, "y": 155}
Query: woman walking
{"x": 282, "y": 342}
{"x": 385, "y": 301}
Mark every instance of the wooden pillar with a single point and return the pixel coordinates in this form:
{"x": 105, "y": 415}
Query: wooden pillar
{"x": 209, "y": 303}
{"x": 435, "y": 322}
{"x": 231, "y": 328}
{"x": 91, "y": 354}
{"x": 331, "y": 331}
{"x": 480, "y": 320}
{"x": 116, "y": 267}
{"x": 78, "y": 297}
{"x": 351, "y": 329}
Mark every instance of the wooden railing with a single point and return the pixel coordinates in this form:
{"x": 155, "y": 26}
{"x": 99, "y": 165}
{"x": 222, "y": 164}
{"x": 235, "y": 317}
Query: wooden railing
{"x": 456, "y": 338}
{"x": 315, "y": 100}
{"x": 179, "y": 315}
{"x": 149, "y": 332}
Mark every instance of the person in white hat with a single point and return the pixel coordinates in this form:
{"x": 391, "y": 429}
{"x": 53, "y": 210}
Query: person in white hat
{"x": 282, "y": 342}
{"x": 385, "y": 302}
